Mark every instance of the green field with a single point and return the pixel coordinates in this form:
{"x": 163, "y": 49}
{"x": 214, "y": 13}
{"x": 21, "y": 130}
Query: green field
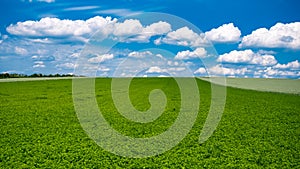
{"x": 39, "y": 128}
{"x": 291, "y": 86}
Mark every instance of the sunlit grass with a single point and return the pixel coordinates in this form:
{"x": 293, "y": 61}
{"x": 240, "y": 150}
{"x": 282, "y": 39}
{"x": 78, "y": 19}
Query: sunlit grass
{"x": 39, "y": 128}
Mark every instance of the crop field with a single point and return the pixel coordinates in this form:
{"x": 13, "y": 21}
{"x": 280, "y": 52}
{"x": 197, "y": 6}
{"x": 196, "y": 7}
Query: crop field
{"x": 39, "y": 128}
{"x": 291, "y": 86}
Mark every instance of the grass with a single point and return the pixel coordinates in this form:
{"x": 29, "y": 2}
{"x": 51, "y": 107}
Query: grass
{"x": 39, "y": 128}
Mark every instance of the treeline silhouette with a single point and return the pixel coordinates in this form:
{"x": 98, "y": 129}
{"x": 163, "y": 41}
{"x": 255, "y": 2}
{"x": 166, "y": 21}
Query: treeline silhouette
{"x": 15, "y": 75}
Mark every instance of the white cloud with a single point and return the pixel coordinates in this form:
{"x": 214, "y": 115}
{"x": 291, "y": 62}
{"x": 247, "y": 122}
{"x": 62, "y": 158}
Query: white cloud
{"x": 136, "y": 54}
{"x": 41, "y": 40}
{"x": 278, "y": 36}
{"x": 74, "y": 55}
{"x": 2, "y": 37}
{"x": 103, "y": 69}
{"x": 183, "y": 37}
{"x": 158, "y": 28}
{"x": 101, "y": 58}
{"x": 155, "y": 29}
{"x": 158, "y": 41}
{"x": 219, "y": 70}
{"x": 197, "y": 53}
{"x": 54, "y": 27}
{"x": 224, "y": 34}
{"x": 127, "y": 28}
{"x": 269, "y": 52}
{"x": 20, "y": 51}
{"x": 156, "y": 69}
{"x": 118, "y": 12}
{"x": 47, "y": 1}
{"x": 166, "y": 70}
{"x": 271, "y": 73}
{"x": 132, "y": 30}
{"x": 176, "y": 69}
{"x": 160, "y": 56}
{"x": 50, "y": 54}
{"x": 39, "y": 64}
{"x": 144, "y": 54}
{"x": 201, "y": 70}
{"x": 43, "y": 58}
{"x": 50, "y": 30}
{"x": 66, "y": 65}
{"x": 264, "y": 60}
{"x": 291, "y": 65}
{"x": 247, "y": 57}
{"x": 283, "y": 71}
{"x": 81, "y": 8}
{"x": 47, "y": 30}
{"x": 172, "y": 63}
{"x": 35, "y": 57}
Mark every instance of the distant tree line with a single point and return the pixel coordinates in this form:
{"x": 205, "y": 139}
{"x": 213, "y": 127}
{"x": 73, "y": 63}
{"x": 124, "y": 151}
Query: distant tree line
{"x": 16, "y": 75}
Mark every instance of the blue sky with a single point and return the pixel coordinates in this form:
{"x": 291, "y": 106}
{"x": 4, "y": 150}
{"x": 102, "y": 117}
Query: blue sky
{"x": 252, "y": 38}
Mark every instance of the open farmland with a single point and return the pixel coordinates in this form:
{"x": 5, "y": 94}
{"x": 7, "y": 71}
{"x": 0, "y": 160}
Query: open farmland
{"x": 39, "y": 128}
{"x": 291, "y": 86}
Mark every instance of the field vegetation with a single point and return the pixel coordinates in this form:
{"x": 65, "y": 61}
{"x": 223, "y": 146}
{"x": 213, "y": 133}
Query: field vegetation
{"x": 39, "y": 128}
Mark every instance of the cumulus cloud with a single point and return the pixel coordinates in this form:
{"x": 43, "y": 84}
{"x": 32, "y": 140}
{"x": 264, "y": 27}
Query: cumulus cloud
{"x": 156, "y": 69}
{"x": 166, "y": 71}
{"x": 278, "y": 36}
{"x": 291, "y": 65}
{"x": 155, "y": 29}
{"x": 197, "y": 53}
{"x": 201, "y": 70}
{"x": 158, "y": 28}
{"x": 226, "y": 33}
{"x": 101, "y": 58}
{"x": 247, "y": 57}
{"x": 54, "y": 27}
{"x": 271, "y": 73}
{"x": 134, "y": 31}
{"x": 128, "y": 28}
{"x": 41, "y": 39}
{"x": 289, "y": 70}
{"x": 81, "y": 30}
{"x": 136, "y": 54}
{"x": 144, "y": 54}
{"x": 183, "y": 37}
{"x": 219, "y": 70}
